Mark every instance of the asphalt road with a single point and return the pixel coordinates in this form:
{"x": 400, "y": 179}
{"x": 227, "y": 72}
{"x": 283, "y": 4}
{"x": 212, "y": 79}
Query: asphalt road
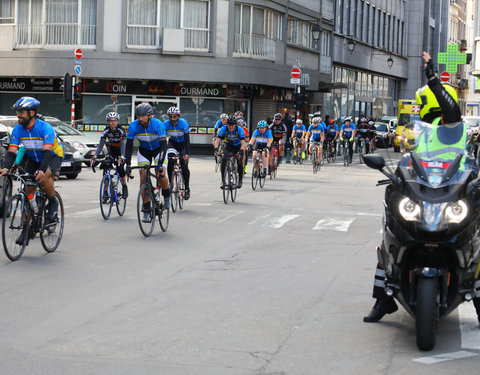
{"x": 275, "y": 283}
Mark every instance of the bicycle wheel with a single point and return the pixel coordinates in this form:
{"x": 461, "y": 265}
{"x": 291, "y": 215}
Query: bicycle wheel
{"x": 13, "y": 225}
{"x": 255, "y": 174}
{"x": 334, "y": 151}
{"x": 121, "y": 201}
{"x": 314, "y": 160}
{"x": 345, "y": 157}
{"x": 274, "y": 166}
{"x": 233, "y": 181}
{"x": 146, "y": 216}
{"x": 175, "y": 191}
{"x": 261, "y": 177}
{"x": 106, "y": 197}
{"x": 226, "y": 186}
{"x": 52, "y": 231}
{"x": 163, "y": 215}
{"x": 181, "y": 190}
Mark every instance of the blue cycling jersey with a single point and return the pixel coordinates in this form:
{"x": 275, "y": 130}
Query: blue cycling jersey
{"x": 33, "y": 139}
{"x": 150, "y": 137}
{"x": 262, "y": 139}
{"x": 234, "y": 137}
{"x": 348, "y": 130}
{"x": 219, "y": 124}
{"x": 331, "y": 131}
{"x": 176, "y": 132}
{"x": 316, "y": 132}
{"x": 299, "y": 129}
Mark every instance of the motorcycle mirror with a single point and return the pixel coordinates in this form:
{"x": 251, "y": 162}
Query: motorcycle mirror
{"x": 374, "y": 161}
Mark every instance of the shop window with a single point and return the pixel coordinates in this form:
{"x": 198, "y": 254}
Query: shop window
{"x": 96, "y": 107}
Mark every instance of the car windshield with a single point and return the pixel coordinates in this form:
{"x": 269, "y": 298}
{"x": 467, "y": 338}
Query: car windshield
{"x": 63, "y": 129}
{"x": 381, "y": 127}
{"x": 10, "y": 122}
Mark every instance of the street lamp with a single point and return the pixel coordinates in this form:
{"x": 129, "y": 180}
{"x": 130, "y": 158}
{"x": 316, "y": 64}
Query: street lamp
{"x": 390, "y": 62}
{"x": 351, "y": 44}
{"x": 316, "y": 33}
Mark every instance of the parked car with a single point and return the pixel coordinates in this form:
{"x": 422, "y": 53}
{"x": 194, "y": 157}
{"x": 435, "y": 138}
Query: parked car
{"x": 85, "y": 144}
{"x": 385, "y": 135}
{"x": 72, "y": 158}
{"x": 472, "y": 123}
{"x": 391, "y": 121}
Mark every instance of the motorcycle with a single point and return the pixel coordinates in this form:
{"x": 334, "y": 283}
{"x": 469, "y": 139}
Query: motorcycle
{"x": 431, "y": 225}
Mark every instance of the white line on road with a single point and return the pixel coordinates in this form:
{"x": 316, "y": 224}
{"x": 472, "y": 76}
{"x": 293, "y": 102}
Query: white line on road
{"x": 278, "y": 222}
{"x": 469, "y": 330}
{"x": 84, "y": 214}
{"x": 445, "y": 357}
{"x": 333, "y": 224}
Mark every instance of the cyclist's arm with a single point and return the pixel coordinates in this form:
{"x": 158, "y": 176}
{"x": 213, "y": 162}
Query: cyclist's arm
{"x": 122, "y": 147}
{"x": 187, "y": 143}
{"x": 252, "y": 141}
{"x": 100, "y": 147}
{"x": 128, "y": 151}
{"x": 450, "y": 108}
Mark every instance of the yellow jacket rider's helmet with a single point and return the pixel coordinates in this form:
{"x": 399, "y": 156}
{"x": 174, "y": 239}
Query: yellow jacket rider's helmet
{"x": 429, "y": 107}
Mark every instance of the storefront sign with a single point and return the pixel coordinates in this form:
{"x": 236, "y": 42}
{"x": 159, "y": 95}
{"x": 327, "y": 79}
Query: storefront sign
{"x": 25, "y": 84}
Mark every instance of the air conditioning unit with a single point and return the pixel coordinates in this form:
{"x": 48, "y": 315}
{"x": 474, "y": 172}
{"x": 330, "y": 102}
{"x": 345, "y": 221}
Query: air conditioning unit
{"x": 173, "y": 41}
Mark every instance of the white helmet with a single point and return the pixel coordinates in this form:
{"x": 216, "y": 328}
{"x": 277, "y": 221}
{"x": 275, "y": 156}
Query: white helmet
{"x": 173, "y": 111}
{"x": 299, "y": 122}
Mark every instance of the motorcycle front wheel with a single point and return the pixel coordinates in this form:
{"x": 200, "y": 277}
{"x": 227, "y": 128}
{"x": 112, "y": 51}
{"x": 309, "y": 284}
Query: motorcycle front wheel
{"x": 426, "y": 313}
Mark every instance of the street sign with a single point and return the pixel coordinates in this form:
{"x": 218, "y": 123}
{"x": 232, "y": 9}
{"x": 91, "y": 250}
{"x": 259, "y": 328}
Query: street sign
{"x": 295, "y": 81}
{"x": 78, "y": 70}
{"x": 77, "y": 62}
{"x": 445, "y": 77}
{"x": 295, "y": 73}
{"x": 78, "y": 53}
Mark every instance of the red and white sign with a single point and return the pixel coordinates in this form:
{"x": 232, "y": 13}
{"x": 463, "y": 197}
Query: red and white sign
{"x": 445, "y": 77}
{"x": 416, "y": 109}
{"x": 295, "y": 73}
{"x": 78, "y": 53}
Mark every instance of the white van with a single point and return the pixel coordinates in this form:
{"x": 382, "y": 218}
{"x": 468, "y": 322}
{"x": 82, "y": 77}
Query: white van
{"x": 391, "y": 121}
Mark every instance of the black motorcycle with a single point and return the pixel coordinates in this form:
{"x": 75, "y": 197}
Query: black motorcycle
{"x": 431, "y": 227}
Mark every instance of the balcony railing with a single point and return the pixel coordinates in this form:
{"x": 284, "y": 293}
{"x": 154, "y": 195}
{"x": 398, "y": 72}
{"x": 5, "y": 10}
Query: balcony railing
{"x": 197, "y": 40}
{"x": 253, "y": 46}
{"x": 59, "y": 34}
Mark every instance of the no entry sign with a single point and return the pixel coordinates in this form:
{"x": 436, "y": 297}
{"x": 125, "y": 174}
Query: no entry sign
{"x": 295, "y": 73}
{"x": 78, "y": 53}
{"x": 445, "y": 77}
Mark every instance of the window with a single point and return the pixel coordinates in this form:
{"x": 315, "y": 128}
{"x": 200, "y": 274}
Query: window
{"x": 325, "y": 43}
{"x": 147, "y": 18}
{"x": 7, "y": 10}
{"x": 56, "y": 23}
{"x": 299, "y": 32}
{"x": 255, "y": 31}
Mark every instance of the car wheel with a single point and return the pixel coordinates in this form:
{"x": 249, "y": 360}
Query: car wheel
{"x": 72, "y": 176}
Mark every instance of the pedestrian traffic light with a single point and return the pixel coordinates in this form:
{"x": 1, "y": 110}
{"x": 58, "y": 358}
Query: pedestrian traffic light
{"x": 67, "y": 88}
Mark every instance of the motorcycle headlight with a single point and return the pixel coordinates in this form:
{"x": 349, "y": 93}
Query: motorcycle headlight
{"x": 409, "y": 210}
{"x": 456, "y": 212}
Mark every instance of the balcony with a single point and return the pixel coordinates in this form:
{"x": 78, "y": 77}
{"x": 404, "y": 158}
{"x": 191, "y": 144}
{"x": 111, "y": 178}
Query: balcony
{"x": 254, "y": 47}
{"x": 51, "y": 34}
{"x": 140, "y": 36}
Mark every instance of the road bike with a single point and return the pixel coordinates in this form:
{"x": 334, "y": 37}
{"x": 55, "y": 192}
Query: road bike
{"x": 146, "y": 211}
{"x": 297, "y": 154}
{"x": 274, "y": 168}
{"x": 347, "y": 160}
{"x": 177, "y": 185}
{"x": 331, "y": 150}
{"x": 219, "y": 155}
{"x": 315, "y": 161}
{"x": 22, "y": 215}
{"x": 230, "y": 178}
{"x": 258, "y": 178}
{"x": 361, "y": 148}
{"x": 109, "y": 188}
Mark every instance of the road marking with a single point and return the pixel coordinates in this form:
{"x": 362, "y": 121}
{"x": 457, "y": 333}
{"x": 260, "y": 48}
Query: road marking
{"x": 445, "y": 357}
{"x": 278, "y": 222}
{"x": 84, "y": 214}
{"x": 333, "y": 224}
{"x": 260, "y": 219}
{"x": 469, "y": 330}
{"x": 220, "y": 219}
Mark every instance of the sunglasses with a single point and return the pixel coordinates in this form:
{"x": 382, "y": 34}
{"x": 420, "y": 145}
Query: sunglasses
{"x": 173, "y": 116}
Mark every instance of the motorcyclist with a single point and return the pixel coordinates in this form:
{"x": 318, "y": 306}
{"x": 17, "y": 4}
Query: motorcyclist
{"x": 438, "y": 105}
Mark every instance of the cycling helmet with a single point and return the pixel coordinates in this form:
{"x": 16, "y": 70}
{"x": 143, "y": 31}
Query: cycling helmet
{"x": 299, "y": 122}
{"x": 278, "y": 116}
{"x": 143, "y": 109}
{"x": 332, "y": 122}
{"x": 231, "y": 120}
{"x": 27, "y": 103}
{"x": 238, "y": 114}
{"x": 370, "y": 123}
{"x": 429, "y": 107}
{"x": 112, "y": 115}
{"x": 240, "y": 121}
{"x": 173, "y": 111}
{"x": 223, "y": 115}
{"x": 348, "y": 119}
{"x": 262, "y": 124}
{"x": 363, "y": 119}
{"x": 315, "y": 120}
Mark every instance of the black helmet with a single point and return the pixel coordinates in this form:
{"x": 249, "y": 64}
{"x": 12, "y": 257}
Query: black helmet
{"x": 231, "y": 120}
{"x": 143, "y": 109}
{"x": 278, "y": 116}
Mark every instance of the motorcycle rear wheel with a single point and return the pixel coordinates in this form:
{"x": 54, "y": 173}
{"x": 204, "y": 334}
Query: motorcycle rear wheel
{"x": 426, "y": 313}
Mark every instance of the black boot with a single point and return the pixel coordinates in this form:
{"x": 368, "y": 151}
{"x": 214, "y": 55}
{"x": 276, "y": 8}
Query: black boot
{"x": 381, "y": 307}
{"x": 476, "y": 303}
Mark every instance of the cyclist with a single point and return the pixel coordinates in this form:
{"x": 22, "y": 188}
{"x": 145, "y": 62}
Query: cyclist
{"x": 363, "y": 132}
{"x": 219, "y": 124}
{"x": 234, "y": 136}
{"x": 114, "y": 136}
{"x": 241, "y": 122}
{"x": 315, "y": 133}
{"x": 262, "y": 139}
{"x": 348, "y": 131}
{"x": 372, "y": 133}
{"x": 438, "y": 105}
{"x": 298, "y": 135}
{"x": 331, "y": 135}
{"x": 278, "y": 129}
{"x": 179, "y": 138}
{"x": 152, "y": 139}
{"x": 44, "y": 153}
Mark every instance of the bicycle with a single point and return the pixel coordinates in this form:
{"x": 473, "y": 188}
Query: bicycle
{"x": 109, "y": 193}
{"x": 146, "y": 193}
{"x": 230, "y": 179}
{"x": 331, "y": 151}
{"x": 218, "y": 157}
{"x": 21, "y": 215}
{"x": 347, "y": 160}
{"x": 361, "y": 148}
{"x": 177, "y": 185}
{"x": 315, "y": 161}
{"x": 297, "y": 155}
{"x": 273, "y": 172}
{"x": 257, "y": 171}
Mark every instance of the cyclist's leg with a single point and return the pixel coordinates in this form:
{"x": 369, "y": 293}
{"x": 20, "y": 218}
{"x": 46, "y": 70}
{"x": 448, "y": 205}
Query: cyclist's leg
{"x": 185, "y": 172}
{"x": 280, "y": 150}
{"x": 162, "y": 179}
{"x": 47, "y": 185}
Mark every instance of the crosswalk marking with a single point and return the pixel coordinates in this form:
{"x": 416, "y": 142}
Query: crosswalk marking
{"x": 333, "y": 224}
{"x": 445, "y": 357}
{"x": 469, "y": 326}
{"x": 278, "y": 222}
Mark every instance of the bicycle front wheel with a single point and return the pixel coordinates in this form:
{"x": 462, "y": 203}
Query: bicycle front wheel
{"x": 13, "y": 226}
{"x": 121, "y": 201}
{"x": 175, "y": 191}
{"x": 255, "y": 174}
{"x": 226, "y": 185}
{"x": 106, "y": 196}
{"x": 52, "y": 230}
{"x": 181, "y": 191}
{"x": 233, "y": 182}
{"x": 146, "y": 213}
{"x": 163, "y": 215}
{"x": 314, "y": 161}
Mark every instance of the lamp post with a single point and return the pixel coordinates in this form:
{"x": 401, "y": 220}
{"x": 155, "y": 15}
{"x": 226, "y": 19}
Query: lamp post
{"x": 351, "y": 44}
{"x": 390, "y": 62}
{"x": 316, "y": 33}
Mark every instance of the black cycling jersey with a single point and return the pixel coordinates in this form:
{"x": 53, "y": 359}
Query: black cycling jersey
{"x": 278, "y": 130}
{"x": 114, "y": 139}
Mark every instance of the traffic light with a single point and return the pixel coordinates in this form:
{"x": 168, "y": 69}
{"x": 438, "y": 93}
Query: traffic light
{"x": 77, "y": 92}
{"x": 67, "y": 88}
{"x": 299, "y": 98}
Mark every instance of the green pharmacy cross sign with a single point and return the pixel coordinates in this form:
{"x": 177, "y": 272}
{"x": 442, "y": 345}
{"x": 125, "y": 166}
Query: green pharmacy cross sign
{"x": 452, "y": 58}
